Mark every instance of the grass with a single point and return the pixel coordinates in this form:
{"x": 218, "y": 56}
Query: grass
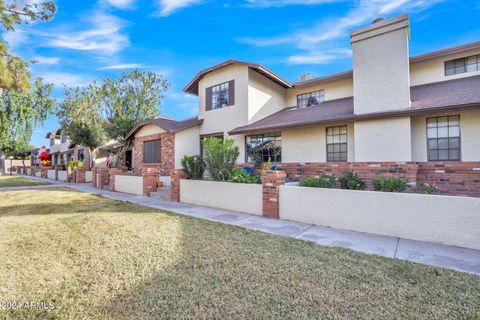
{"x": 96, "y": 258}
{"x": 18, "y": 181}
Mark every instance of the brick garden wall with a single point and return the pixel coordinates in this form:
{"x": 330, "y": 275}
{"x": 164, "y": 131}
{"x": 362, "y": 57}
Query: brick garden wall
{"x": 167, "y": 153}
{"x": 452, "y": 178}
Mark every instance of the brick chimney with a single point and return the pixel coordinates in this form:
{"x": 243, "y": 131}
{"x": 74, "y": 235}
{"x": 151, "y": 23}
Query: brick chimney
{"x": 381, "y": 76}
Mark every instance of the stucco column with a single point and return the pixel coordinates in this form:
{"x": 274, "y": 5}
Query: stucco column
{"x": 271, "y": 181}
{"x": 176, "y": 176}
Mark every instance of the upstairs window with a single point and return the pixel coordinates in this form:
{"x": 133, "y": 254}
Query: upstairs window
{"x": 310, "y": 98}
{"x": 462, "y": 65}
{"x": 263, "y": 147}
{"x": 151, "y": 151}
{"x": 443, "y": 138}
{"x": 52, "y": 141}
{"x": 220, "y": 96}
{"x": 337, "y": 144}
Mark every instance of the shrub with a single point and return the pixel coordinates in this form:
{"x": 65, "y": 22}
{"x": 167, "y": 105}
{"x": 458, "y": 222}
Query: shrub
{"x": 60, "y": 166}
{"x": 239, "y": 175}
{"x": 390, "y": 184}
{"x": 74, "y": 164}
{"x": 323, "y": 181}
{"x": 427, "y": 189}
{"x": 194, "y": 167}
{"x": 220, "y": 157}
{"x": 351, "y": 180}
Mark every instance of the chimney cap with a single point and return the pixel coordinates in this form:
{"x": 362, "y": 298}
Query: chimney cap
{"x": 380, "y": 19}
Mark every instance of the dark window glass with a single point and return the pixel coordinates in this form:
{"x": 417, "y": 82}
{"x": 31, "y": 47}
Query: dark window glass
{"x": 81, "y": 155}
{"x": 263, "y": 147}
{"x": 220, "y": 96}
{"x": 467, "y": 64}
{"x": 310, "y": 99}
{"x": 337, "y": 143}
{"x": 151, "y": 151}
{"x": 52, "y": 141}
{"x": 63, "y": 138}
{"x": 443, "y": 138}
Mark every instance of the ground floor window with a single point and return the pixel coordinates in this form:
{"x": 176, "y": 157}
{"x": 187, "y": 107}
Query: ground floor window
{"x": 263, "y": 147}
{"x": 151, "y": 151}
{"x": 81, "y": 154}
{"x": 213, "y": 135}
{"x": 443, "y": 138}
{"x": 337, "y": 143}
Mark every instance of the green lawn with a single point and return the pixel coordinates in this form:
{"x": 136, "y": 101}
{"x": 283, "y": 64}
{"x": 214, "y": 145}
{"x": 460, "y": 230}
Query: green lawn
{"x": 19, "y": 181}
{"x": 96, "y": 258}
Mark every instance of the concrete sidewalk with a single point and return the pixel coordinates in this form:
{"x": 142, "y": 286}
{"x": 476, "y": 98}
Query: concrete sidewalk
{"x": 456, "y": 258}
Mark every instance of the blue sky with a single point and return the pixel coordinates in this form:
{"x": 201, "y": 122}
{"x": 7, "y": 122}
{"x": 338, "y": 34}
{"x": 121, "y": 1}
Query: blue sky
{"x": 88, "y": 40}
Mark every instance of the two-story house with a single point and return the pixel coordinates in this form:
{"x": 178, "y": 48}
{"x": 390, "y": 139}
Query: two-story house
{"x": 62, "y": 150}
{"x": 390, "y": 109}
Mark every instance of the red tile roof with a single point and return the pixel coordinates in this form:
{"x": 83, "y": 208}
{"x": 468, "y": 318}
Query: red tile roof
{"x": 429, "y": 98}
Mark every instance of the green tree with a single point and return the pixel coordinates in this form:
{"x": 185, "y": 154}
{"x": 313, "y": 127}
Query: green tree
{"x": 80, "y": 115}
{"x": 304, "y": 77}
{"x": 14, "y": 72}
{"x": 134, "y": 97}
{"x": 21, "y": 113}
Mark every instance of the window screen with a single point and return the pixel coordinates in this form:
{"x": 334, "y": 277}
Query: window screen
{"x": 151, "y": 151}
{"x": 337, "y": 143}
{"x": 443, "y": 138}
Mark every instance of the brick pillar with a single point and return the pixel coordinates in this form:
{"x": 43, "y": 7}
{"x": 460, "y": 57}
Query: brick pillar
{"x": 271, "y": 180}
{"x": 80, "y": 175}
{"x": 94, "y": 177}
{"x": 70, "y": 175}
{"x": 112, "y": 172}
{"x": 102, "y": 178}
{"x": 176, "y": 176}
{"x": 56, "y": 173}
{"x": 44, "y": 171}
{"x": 149, "y": 180}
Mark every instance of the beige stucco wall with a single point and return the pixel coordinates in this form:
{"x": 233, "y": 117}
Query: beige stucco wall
{"x": 129, "y": 184}
{"x": 88, "y": 176}
{"x": 51, "y": 174}
{"x": 264, "y": 96}
{"x": 434, "y": 70}
{"x": 381, "y": 80}
{"x": 187, "y": 142}
{"x": 239, "y": 197}
{"x": 333, "y": 90}
{"x": 383, "y": 140}
{"x": 309, "y": 144}
{"x": 149, "y": 129}
{"x": 442, "y": 219}
{"x": 469, "y": 136}
{"x": 62, "y": 175}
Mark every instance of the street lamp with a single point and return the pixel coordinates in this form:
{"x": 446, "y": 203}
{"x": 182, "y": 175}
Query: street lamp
{"x": 11, "y": 159}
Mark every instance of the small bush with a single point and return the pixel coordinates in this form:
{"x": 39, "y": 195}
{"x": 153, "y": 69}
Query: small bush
{"x": 60, "y": 166}
{"x": 194, "y": 167}
{"x": 350, "y": 180}
{"x": 74, "y": 164}
{"x": 323, "y": 181}
{"x": 427, "y": 189}
{"x": 390, "y": 184}
{"x": 239, "y": 175}
{"x": 220, "y": 157}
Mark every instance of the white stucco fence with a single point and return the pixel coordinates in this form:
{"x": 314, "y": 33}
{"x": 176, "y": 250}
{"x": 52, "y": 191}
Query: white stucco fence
{"x": 88, "y": 176}
{"x": 62, "y": 175}
{"x": 442, "y": 219}
{"x": 38, "y": 174}
{"x": 51, "y": 174}
{"x": 240, "y": 197}
{"x": 129, "y": 184}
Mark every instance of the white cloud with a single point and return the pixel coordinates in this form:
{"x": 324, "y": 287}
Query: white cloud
{"x": 167, "y": 7}
{"x": 324, "y": 57}
{"x": 46, "y": 60}
{"x": 121, "y": 4}
{"x": 123, "y": 66}
{"x": 67, "y": 79}
{"x": 103, "y": 35}
{"x": 319, "y": 39}
{"x": 15, "y": 38}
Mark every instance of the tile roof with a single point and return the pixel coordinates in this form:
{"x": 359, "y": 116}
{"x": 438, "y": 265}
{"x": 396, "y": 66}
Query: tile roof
{"x": 428, "y": 98}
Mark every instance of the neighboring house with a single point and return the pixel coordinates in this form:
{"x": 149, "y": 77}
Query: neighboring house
{"x": 62, "y": 150}
{"x": 389, "y": 108}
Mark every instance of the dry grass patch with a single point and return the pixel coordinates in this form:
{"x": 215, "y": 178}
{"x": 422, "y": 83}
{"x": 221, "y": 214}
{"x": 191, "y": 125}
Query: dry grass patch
{"x": 105, "y": 259}
{"x": 18, "y": 181}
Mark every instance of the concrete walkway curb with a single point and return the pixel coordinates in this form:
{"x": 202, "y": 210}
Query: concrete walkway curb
{"x": 450, "y": 257}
